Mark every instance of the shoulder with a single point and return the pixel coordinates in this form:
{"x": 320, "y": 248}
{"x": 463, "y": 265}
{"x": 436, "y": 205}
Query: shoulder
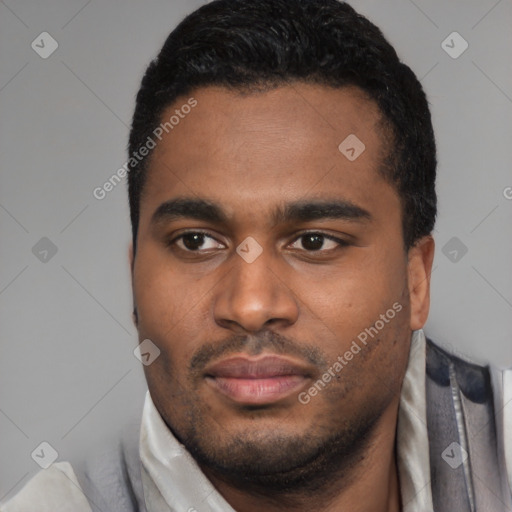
{"x": 107, "y": 479}
{"x": 503, "y": 383}
{"x": 110, "y": 476}
{"x": 480, "y": 384}
{"x": 54, "y": 488}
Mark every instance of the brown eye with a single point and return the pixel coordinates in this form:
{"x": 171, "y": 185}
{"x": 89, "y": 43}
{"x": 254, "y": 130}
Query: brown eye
{"x": 196, "y": 241}
{"x": 314, "y": 242}
{"x": 193, "y": 241}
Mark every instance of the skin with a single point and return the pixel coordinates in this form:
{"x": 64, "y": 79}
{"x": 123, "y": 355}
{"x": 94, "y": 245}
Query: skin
{"x": 251, "y": 153}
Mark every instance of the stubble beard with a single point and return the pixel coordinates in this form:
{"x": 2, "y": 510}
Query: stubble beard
{"x": 276, "y": 464}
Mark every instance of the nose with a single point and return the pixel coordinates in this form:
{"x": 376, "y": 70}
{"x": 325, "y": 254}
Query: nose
{"x": 253, "y": 296}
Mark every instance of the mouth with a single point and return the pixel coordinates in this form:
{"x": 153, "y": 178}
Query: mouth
{"x": 265, "y": 380}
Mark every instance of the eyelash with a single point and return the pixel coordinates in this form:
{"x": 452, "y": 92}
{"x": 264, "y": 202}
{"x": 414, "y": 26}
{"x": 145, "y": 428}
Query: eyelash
{"x": 341, "y": 243}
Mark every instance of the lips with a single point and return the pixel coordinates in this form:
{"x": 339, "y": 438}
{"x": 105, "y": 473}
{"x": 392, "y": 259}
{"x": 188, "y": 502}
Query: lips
{"x": 265, "y": 380}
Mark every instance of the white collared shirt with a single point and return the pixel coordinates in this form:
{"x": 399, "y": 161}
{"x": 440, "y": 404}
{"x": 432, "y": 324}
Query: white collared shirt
{"x": 173, "y": 482}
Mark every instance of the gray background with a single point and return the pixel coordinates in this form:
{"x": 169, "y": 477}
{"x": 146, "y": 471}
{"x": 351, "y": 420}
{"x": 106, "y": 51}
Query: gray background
{"x": 67, "y": 372}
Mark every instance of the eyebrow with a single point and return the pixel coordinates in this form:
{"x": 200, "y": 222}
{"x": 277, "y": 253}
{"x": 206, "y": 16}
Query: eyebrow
{"x": 189, "y": 208}
{"x": 309, "y": 210}
{"x": 298, "y": 211}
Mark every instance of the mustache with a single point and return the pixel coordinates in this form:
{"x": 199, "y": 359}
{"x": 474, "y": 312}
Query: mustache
{"x": 252, "y": 345}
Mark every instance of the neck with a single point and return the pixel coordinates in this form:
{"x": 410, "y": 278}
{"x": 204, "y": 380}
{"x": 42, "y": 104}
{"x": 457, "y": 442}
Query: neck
{"x": 370, "y": 485}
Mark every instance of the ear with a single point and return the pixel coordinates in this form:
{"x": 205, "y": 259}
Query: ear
{"x": 420, "y": 258}
{"x": 131, "y": 260}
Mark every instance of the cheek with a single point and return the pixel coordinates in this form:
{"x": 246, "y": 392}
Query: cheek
{"x": 366, "y": 305}
{"x": 157, "y": 300}
{"x": 172, "y": 309}
{"x": 160, "y": 291}
{"x": 353, "y": 296}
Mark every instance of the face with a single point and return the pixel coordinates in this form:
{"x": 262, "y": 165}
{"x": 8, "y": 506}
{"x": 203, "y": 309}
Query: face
{"x": 271, "y": 273}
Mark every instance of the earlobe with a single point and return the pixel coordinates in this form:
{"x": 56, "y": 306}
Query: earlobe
{"x": 420, "y": 259}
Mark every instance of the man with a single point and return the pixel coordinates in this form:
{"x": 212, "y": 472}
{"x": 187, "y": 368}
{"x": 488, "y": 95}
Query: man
{"x": 282, "y": 197}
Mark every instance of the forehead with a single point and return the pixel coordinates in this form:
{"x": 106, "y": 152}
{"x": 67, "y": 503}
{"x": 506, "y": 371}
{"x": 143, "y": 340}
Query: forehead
{"x": 252, "y": 149}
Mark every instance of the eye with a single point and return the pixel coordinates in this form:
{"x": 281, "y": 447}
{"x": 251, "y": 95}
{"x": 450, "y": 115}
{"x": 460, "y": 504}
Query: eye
{"x": 314, "y": 242}
{"x": 196, "y": 241}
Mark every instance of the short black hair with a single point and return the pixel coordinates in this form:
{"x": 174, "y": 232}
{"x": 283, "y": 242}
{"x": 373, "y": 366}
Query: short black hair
{"x": 254, "y": 45}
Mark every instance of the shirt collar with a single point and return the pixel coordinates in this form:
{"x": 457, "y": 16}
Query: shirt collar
{"x": 413, "y": 457}
{"x": 172, "y": 478}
